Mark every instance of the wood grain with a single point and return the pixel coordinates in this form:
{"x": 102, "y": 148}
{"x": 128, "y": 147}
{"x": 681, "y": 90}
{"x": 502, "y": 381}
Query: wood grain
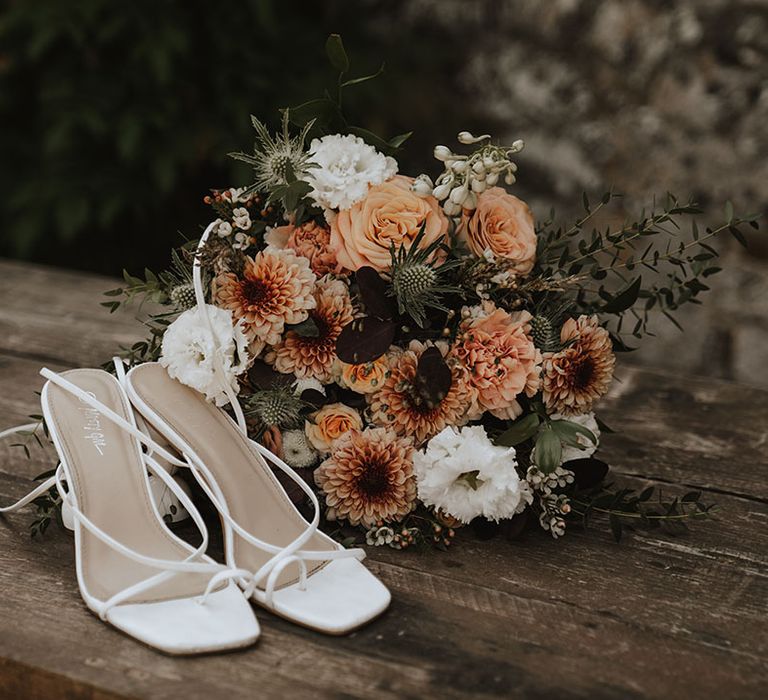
{"x": 653, "y": 617}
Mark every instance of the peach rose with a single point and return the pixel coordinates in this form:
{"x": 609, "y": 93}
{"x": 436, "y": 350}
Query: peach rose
{"x": 365, "y": 378}
{"x": 390, "y": 213}
{"x": 330, "y": 423}
{"x": 310, "y": 240}
{"x": 502, "y": 224}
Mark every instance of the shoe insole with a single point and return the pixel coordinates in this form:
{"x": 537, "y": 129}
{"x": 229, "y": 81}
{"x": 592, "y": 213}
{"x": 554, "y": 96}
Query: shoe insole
{"x": 108, "y": 480}
{"x": 255, "y": 498}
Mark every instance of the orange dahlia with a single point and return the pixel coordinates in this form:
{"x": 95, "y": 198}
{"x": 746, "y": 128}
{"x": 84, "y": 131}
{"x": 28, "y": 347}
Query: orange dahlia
{"x": 368, "y": 478}
{"x": 315, "y": 356}
{"x": 502, "y": 362}
{"x": 398, "y": 403}
{"x": 274, "y": 289}
{"x": 579, "y": 374}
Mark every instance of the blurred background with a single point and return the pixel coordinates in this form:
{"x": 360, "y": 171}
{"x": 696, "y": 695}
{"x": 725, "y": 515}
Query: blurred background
{"x": 117, "y": 118}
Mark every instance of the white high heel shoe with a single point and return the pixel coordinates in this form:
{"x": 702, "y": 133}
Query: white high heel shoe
{"x": 293, "y": 569}
{"x": 132, "y": 571}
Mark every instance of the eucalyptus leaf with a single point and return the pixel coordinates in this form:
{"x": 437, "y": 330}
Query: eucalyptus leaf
{"x": 521, "y": 430}
{"x": 337, "y": 55}
{"x": 549, "y": 451}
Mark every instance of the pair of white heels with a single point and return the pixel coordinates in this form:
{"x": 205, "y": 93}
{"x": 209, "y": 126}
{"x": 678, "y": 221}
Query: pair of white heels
{"x": 138, "y": 576}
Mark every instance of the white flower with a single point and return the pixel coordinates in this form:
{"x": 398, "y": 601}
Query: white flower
{"x": 462, "y": 473}
{"x": 302, "y": 385}
{"x": 242, "y": 218}
{"x": 588, "y": 421}
{"x": 222, "y": 228}
{"x": 422, "y": 186}
{"x": 236, "y": 194}
{"x": 346, "y": 166}
{"x": 188, "y": 352}
{"x": 297, "y": 451}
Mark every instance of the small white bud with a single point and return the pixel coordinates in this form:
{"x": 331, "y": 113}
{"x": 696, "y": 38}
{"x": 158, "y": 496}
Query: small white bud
{"x": 479, "y": 167}
{"x": 459, "y": 194}
{"x": 489, "y": 162}
{"x": 518, "y": 145}
{"x": 509, "y": 178}
{"x": 458, "y": 166}
{"x": 470, "y": 201}
{"x": 466, "y": 138}
{"x": 442, "y": 191}
{"x": 451, "y": 209}
{"x": 422, "y": 186}
{"x": 492, "y": 179}
{"x": 442, "y": 152}
{"x": 512, "y": 167}
{"x": 479, "y": 185}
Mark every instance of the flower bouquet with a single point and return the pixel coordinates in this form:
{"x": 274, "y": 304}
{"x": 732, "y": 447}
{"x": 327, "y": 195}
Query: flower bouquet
{"x": 425, "y": 351}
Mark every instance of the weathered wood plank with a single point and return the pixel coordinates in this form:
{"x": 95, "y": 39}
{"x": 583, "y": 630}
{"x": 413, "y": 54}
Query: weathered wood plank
{"x": 652, "y": 617}
{"x": 54, "y": 315}
{"x": 474, "y": 635}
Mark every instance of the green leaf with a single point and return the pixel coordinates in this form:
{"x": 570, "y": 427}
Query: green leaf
{"x": 370, "y": 138}
{"x": 521, "y": 430}
{"x": 334, "y": 48}
{"x": 549, "y": 450}
{"x": 728, "y": 212}
{"x": 306, "y": 329}
{"x": 624, "y": 299}
{"x": 400, "y": 139}
{"x": 364, "y": 78}
{"x": 322, "y": 110}
{"x": 569, "y": 432}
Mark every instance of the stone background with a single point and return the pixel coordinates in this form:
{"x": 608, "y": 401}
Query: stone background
{"x": 645, "y": 96}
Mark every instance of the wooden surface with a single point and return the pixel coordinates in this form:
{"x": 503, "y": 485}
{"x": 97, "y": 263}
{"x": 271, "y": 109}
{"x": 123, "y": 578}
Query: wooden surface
{"x": 655, "y": 616}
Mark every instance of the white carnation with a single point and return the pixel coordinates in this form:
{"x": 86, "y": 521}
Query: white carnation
{"x": 462, "y": 473}
{"x": 585, "y": 420}
{"x": 188, "y": 352}
{"x": 345, "y": 167}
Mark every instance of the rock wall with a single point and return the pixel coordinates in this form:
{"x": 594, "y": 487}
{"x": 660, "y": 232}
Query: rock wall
{"x": 644, "y": 96}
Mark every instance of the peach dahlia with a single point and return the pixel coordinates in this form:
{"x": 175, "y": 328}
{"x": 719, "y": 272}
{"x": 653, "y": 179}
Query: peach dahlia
{"x": 275, "y": 289}
{"x": 579, "y": 374}
{"x": 368, "y": 477}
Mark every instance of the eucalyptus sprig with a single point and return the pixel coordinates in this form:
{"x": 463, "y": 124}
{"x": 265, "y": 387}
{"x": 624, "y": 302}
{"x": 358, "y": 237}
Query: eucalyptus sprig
{"x": 627, "y": 509}
{"x": 602, "y": 266}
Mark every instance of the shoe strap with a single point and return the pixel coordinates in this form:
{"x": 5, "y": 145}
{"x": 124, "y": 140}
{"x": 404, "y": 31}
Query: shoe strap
{"x": 169, "y": 568}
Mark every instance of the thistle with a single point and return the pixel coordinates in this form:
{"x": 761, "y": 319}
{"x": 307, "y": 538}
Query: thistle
{"x": 278, "y": 160}
{"x": 276, "y": 406}
{"x": 417, "y": 283}
{"x": 183, "y": 296}
{"x": 545, "y": 336}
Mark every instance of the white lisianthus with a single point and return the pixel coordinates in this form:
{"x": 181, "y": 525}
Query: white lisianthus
{"x": 345, "y": 167}
{"x": 188, "y": 352}
{"x": 462, "y": 473}
{"x": 585, "y": 420}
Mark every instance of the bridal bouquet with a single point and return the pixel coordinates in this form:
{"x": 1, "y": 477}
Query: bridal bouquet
{"x": 425, "y": 350}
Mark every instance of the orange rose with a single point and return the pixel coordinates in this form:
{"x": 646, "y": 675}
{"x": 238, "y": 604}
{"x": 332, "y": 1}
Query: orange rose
{"x": 390, "y": 213}
{"x": 502, "y": 224}
{"x": 365, "y": 378}
{"x": 330, "y": 423}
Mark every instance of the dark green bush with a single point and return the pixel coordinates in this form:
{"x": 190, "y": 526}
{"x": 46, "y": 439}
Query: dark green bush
{"x": 116, "y": 117}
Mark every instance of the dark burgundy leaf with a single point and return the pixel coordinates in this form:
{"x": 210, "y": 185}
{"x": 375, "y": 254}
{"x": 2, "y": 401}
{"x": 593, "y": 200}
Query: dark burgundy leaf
{"x": 263, "y": 377}
{"x": 316, "y": 399}
{"x": 588, "y": 472}
{"x": 364, "y": 340}
{"x": 373, "y": 292}
{"x": 433, "y": 377}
